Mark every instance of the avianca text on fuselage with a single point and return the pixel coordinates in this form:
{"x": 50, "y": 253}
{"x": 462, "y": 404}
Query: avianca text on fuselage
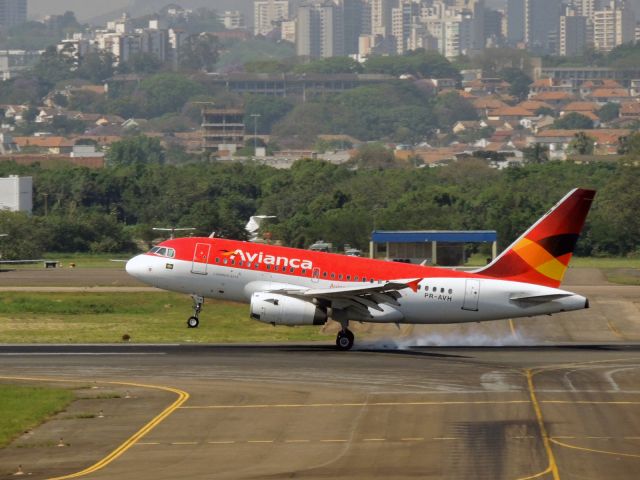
{"x": 267, "y": 259}
{"x": 287, "y": 286}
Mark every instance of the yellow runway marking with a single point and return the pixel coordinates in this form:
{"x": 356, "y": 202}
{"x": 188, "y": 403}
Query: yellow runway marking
{"x": 593, "y": 450}
{"x": 131, "y": 441}
{"x": 373, "y": 404}
{"x": 513, "y": 329}
{"x": 591, "y": 402}
{"x": 552, "y": 467}
{"x": 613, "y": 328}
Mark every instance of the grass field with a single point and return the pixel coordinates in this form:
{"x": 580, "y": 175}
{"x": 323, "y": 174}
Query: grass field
{"x": 150, "y": 317}
{"x": 23, "y": 408}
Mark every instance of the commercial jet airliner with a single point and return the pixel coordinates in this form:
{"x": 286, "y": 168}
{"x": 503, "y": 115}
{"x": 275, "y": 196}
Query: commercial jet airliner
{"x": 288, "y": 286}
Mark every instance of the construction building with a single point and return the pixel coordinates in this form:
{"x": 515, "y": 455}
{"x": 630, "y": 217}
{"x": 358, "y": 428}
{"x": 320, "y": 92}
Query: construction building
{"x": 222, "y": 129}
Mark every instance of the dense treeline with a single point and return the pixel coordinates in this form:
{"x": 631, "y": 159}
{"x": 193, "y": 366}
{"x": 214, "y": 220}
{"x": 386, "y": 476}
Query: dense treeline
{"x": 105, "y": 210}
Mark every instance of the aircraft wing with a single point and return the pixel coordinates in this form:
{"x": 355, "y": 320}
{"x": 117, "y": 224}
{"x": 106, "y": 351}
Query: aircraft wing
{"x": 364, "y": 297}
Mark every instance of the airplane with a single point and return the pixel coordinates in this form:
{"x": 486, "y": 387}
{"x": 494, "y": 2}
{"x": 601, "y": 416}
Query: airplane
{"x": 289, "y": 286}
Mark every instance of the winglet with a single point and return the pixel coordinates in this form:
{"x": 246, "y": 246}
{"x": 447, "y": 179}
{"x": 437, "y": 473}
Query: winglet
{"x": 541, "y": 255}
{"x": 414, "y": 284}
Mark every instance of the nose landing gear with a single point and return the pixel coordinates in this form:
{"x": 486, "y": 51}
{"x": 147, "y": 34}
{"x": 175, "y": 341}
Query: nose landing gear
{"x": 193, "y": 321}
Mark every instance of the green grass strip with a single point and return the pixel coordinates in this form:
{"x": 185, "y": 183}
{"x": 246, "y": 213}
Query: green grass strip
{"x": 24, "y": 408}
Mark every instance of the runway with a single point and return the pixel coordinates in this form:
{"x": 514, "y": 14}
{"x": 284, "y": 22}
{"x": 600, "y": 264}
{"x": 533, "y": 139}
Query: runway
{"x": 307, "y": 411}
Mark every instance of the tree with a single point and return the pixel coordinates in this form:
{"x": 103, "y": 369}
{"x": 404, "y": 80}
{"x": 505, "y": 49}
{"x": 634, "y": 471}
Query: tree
{"x": 96, "y": 67}
{"x": 546, "y": 111}
{"x": 373, "y": 155}
{"x": 519, "y": 81}
{"x": 142, "y": 62}
{"x": 53, "y": 66}
{"x": 270, "y": 110}
{"x": 421, "y": 63}
{"x": 166, "y": 93}
{"x": 573, "y": 121}
{"x": 609, "y": 111}
{"x": 629, "y": 145}
{"x": 330, "y": 65}
{"x": 200, "y": 52}
{"x": 537, "y": 153}
{"x": 581, "y": 144}
{"x": 136, "y": 151}
{"x": 451, "y": 108}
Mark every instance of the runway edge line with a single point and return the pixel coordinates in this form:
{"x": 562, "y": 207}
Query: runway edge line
{"x": 133, "y": 439}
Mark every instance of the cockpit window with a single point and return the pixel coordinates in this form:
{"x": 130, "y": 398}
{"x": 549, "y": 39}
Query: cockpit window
{"x": 163, "y": 252}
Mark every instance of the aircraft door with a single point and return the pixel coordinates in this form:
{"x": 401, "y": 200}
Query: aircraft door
{"x": 315, "y": 276}
{"x": 200, "y": 259}
{"x": 471, "y": 295}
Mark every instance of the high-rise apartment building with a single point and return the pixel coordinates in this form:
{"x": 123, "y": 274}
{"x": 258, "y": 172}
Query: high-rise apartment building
{"x": 403, "y": 18}
{"x": 381, "y": 16}
{"x": 267, "y": 15}
{"x": 534, "y": 23}
{"x": 451, "y": 27}
{"x": 613, "y": 26}
{"x": 320, "y": 30}
{"x": 354, "y": 12}
{"x": 574, "y": 35}
{"x": 12, "y": 12}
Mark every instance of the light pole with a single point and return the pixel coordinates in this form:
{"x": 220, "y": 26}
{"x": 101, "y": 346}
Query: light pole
{"x": 46, "y": 204}
{"x": 255, "y": 131}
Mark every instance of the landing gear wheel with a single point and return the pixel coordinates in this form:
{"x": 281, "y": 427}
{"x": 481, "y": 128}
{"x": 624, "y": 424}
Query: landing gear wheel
{"x": 193, "y": 322}
{"x": 344, "y": 340}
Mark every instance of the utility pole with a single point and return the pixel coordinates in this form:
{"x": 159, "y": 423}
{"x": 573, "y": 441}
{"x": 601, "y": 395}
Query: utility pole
{"x": 255, "y": 131}
{"x": 46, "y": 204}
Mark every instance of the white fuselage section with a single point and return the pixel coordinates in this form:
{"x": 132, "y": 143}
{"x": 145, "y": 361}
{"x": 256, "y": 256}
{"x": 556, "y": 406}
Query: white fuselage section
{"x": 437, "y": 300}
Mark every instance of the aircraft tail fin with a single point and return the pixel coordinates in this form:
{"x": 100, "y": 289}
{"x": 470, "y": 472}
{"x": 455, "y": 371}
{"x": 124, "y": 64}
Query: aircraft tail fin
{"x": 541, "y": 255}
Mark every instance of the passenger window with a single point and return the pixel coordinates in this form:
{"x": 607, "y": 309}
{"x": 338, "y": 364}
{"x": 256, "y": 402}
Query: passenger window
{"x": 256, "y": 265}
{"x": 268, "y": 267}
{"x": 324, "y": 274}
{"x": 233, "y": 262}
{"x": 348, "y": 277}
{"x": 291, "y": 270}
{"x": 450, "y": 291}
{"x": 333, "y": 275}
{"x": 303, "y": 271}
{"x": 364, "y": 279}
{"x": 217, "y": 260}
{"x": 442, "y": 290}
{"x": 225, "y": 261}
{"x": 435, "y": 289}
{"x": 355, "y": 278}
{"x": 340, "y": 277}
{"x": 240, "y": 263}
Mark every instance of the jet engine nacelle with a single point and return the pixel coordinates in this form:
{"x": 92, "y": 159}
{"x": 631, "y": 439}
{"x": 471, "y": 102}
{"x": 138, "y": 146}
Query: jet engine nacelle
{"x": 282, "y": 310}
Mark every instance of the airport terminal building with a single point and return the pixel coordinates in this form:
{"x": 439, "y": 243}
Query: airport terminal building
{"x": 432, "y": 247}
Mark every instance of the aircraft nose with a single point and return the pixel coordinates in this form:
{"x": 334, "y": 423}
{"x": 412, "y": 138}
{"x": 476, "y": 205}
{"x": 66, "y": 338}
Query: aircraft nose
{"x": 137, "y": 266}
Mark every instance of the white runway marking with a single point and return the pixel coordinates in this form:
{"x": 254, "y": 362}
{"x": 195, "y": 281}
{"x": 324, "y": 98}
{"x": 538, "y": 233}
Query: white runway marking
{"x": 92, "y": 354}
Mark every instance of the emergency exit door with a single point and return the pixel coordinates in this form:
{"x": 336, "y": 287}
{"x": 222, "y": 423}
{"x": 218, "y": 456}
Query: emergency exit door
{"x": 471, "y": 295}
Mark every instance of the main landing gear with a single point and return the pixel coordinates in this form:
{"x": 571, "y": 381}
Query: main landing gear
{"x": 193, "y": 320}
{"x": 344, "y": 340}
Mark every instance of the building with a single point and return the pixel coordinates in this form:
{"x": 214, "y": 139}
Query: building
{"x": 354, "y": 12}
{"x": 435, "y": 247}
{"x": 320, "y": 30}
{"x": 267, "y": 15}
{"x": 222, "y": 129}
{"x": 233, "y": 19}
{"x": 13, "y": 62}
{"x": 573, "y": 36}
{"x": 16, "y": 194}
{"x": 12, "y": 12}
{"x": 533, "y": 23}
{"x": 404, "y": 18}
{"x": 613, "y": 26}
{"x": 381, "y": 17}
{"x": 451, "y": 27}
